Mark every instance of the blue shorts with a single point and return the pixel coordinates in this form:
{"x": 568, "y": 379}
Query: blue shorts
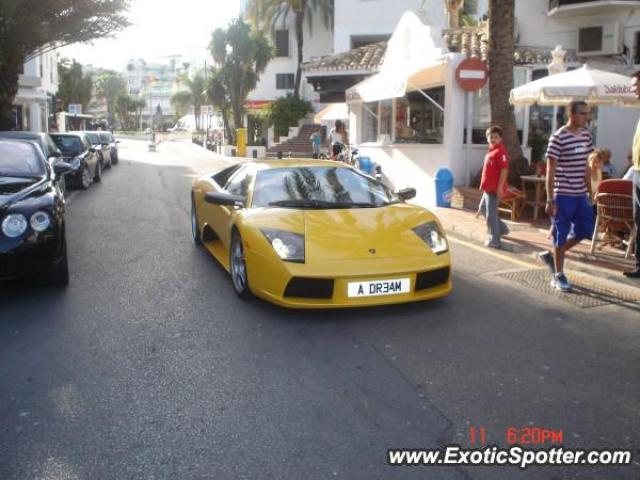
{"x": 573, "y": 214}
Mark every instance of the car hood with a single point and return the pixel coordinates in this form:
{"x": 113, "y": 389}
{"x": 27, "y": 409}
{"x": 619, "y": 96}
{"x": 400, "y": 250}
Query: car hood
{"x": 13, "y": 189}
{"x": 359, "y": 233}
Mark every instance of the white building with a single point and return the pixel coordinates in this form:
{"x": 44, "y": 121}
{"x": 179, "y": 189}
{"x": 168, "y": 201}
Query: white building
{"x": 37, "y": 86}
{"x": 412, "y": 136}
{"x": 278, "y": 79}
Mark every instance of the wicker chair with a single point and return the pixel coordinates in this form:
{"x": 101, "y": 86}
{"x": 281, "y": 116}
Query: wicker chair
{"x": 614, "y": 201}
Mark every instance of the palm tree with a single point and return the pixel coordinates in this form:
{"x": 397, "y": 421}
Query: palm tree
{"x": 242, "y": 55}
{"x": 109, "y": 85}
{"x": 501, "y": 50}
{"x": 196, "y": 86}
{"x": 266, "y": 14}
{"x": 216, "y": 93}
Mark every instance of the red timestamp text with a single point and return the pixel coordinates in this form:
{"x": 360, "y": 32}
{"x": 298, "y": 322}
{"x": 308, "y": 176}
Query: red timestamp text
{"x": 519, "y": 436}
{"x": 533, "y": 436}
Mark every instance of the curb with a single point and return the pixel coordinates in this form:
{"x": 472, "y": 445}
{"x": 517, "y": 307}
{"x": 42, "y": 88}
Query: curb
{"x": 521, "y": 248}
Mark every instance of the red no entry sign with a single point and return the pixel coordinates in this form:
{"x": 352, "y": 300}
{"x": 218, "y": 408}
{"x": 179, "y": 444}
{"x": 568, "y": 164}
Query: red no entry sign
{"x": 472, "y": 74}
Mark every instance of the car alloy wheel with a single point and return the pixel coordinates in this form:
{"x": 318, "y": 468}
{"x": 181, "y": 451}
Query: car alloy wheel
{"x": 195, "y": 230}
{"x": 238, "y": 267}
{"x": 85, "y": 179}
{"x": 98, "y": 177}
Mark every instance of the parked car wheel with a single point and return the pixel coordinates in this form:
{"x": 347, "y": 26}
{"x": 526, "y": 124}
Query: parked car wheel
{"x": 85, "y": 178}
{"x": 238, "y": 267}
{"x": 98, "y": 176}
{"x": 195, "y": 230}
{"x": 58, "y": 276}
{"x": 114, "y": 157}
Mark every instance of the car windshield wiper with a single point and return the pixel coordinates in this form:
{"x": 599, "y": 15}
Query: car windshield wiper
{"x": 355, "y": 205}
{"x": 320, "y": 204}
{"x": 302, "y": 203}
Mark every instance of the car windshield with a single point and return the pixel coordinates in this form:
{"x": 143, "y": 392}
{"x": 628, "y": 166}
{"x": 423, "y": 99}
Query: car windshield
{"x": 105, "y": 137}
{"x": 319, "y": 188}
{"x": 94, "y": 138}
{"x": 68, "y": 144}
{"x": 20, "y": 160}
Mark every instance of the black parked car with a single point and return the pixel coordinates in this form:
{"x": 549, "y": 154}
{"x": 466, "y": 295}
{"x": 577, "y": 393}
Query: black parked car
{"x": 113, "y": 144}
{"x": 32, "y": 225}
{"x": 78, "y": 152}
{"x": 49, "y": 149}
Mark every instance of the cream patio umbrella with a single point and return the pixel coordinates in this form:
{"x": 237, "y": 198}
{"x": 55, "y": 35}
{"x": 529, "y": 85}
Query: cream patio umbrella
{"x": 596, "y": 87}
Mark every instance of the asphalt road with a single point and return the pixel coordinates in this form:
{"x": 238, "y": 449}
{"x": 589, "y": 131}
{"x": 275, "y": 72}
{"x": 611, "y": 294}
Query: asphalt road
{"x": 149, "y": 367}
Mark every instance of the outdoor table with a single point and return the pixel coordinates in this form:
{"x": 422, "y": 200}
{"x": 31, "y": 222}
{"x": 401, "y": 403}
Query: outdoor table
{"x": 540, "y": 194}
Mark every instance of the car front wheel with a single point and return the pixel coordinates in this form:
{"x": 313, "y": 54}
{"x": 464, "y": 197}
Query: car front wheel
{"x": 98, "y": 176}
{"x": 195, "y": 230}
{"x": 58, "y": 276}
{"x": 85, "y": 178}
{"x": 238, "y": 267}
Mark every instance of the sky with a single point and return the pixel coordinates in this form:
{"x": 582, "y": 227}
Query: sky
{"x": 159, "y": 28}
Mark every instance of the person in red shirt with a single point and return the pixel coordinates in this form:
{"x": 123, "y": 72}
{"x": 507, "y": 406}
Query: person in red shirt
{"x": 493, "y": 184}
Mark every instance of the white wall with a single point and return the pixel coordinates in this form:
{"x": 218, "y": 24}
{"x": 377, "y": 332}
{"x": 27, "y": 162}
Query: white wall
{"x": 376, "y": 17}
{"x": 317, "y": 42}
{"x": 536, "y": 29}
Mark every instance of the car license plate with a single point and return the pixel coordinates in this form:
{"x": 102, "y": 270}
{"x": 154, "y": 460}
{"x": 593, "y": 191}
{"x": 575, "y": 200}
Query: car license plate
{"x": 379, "y": 287}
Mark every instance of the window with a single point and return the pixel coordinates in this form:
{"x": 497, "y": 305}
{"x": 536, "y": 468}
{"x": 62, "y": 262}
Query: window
{"x": 386, "y": 120}
{"x": 239, "y": 183}
{"x": 369, "y": 131}
{"x": 418, "y": 120}
{"x": 284, "y": 81}
{"x": 282, "y": 43}
{"x": 222, "y": 177}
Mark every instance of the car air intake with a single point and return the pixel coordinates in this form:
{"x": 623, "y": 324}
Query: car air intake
{"x": 309, "y": 288}
{"x": 432, "y": 278}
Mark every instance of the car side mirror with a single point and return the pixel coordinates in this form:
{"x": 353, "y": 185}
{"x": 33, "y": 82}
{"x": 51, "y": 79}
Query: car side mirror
{"x": 60, "y": 168}
{"x": 117, "y": 141}
{"x": 406, "y": 193}
{"x": 92, "y": 150}
{"x": 216, "y": 198}
{"x": 56, "y": 154}
{"x": 105, "y": 144}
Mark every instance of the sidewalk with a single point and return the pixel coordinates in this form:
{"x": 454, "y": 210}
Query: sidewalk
{"x": 529, "y": 239}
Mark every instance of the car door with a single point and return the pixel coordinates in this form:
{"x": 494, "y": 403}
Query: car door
{"x": 90, "y": 157}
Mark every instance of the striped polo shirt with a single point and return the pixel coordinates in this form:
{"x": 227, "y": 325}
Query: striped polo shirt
{"x": 570, "y": 150}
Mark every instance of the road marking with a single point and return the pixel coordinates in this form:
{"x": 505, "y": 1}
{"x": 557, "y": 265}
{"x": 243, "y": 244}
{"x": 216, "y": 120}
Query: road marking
{"x": 494, "y": 253}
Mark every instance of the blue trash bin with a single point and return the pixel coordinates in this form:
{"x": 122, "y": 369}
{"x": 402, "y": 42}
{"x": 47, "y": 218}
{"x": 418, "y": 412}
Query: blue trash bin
{"x": 444, "y": 187}
{"x": 366, "y": 165}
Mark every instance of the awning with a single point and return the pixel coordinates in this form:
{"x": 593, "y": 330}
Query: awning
{"x": 30, "y": 95}
{"x": 386, "y": 85}
{"x": 377, "y": 87}
{"x": 331, "y": 112}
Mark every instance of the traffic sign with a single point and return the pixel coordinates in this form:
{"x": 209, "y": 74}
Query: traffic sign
{"x": 75, "y": 108}
{"x": 207, "y": 109}
{"x": 472, "y": 74}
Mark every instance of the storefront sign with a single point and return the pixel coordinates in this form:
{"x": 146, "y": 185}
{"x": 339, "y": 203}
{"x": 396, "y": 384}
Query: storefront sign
{"x": 472, "y": 74}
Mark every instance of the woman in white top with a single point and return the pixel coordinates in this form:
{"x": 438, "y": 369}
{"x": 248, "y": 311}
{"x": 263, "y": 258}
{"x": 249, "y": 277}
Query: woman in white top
{"x": 339, "y": 138}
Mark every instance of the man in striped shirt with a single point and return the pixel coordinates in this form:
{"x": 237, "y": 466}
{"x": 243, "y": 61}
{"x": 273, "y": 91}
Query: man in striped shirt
{"x": 569, "y": 189}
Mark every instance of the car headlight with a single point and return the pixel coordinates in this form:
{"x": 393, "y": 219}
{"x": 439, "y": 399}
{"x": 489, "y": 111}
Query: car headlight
{"x": 40, "y": 221}
{"x": 288, "y": 245}
{"x": 14, "y": 225}
{"x": 431, "y": 234}
{"x": 75, "y": 163}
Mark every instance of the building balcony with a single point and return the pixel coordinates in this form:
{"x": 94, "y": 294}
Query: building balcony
{"x": 29, "y": 81}
{"x": 569, "y": 8}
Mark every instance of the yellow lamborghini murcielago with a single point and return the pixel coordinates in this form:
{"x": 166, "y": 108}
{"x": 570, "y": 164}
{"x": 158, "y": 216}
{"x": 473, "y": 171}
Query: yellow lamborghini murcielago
{"x": 319, "y": 234}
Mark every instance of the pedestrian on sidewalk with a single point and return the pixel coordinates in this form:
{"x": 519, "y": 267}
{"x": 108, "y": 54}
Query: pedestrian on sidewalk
{"x": 493, "y": 183}
{"x": 569, "y": 189}
{"x": 316, "y": 141}
{"x": 635, "y": 166}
